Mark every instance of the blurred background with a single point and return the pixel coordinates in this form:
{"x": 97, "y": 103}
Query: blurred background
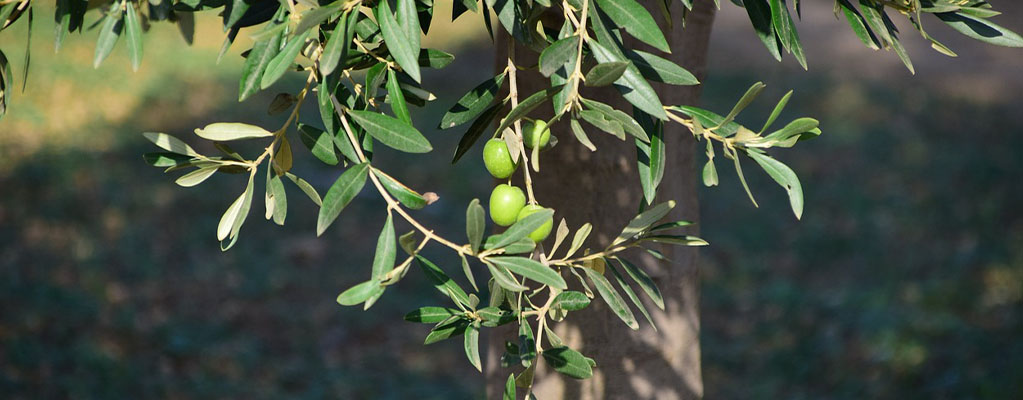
{"x": 903, "y": 280}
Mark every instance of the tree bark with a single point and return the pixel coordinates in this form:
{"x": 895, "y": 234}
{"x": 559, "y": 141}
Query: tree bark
{"x": 603, "y": 188}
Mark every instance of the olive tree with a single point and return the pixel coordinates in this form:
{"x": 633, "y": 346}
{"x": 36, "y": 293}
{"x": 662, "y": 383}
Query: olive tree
{"x": 617, "y": 81}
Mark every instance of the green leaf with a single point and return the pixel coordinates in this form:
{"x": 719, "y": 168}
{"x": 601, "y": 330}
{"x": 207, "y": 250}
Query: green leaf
{"x": 468, "y": 272}
{"x": 980, "y": 29}
{"x": 796, "y": 127}
{"x": 631, "y": 294}
{"x": 568, "y": 362}
{"x": 571, "y": 300}
{"x": 196, "y": 177}
{"x": 227, "y": 131}
{"x": 580, "y": 237}
{"x": 359, "y": 293}
{"x": 558, "y": 54}
{"x": 408, "y": 18}
{"x": 442, "y": 282}
{"x": 336, "y": 45}
{"x": 505, "y": 279}
{"x": 612, "y": 298}
{"x": 232, "y": 220}
{"x": 397, "y": 98}
{"x": 527, "y": 105}
{"x": 681, "y": 240}
{"x": 709, "y": 118}
{"x": 509, "y": 385}
{"x": 406, "y": 196}
{"x": 524, "y": 245}
{"x": 661, "y": 70}
{"x": 532, "y": 270}
{"x": 475, "y": 224}
{"x": 632, "y": 85}
{"x": 282, "y": 62}
{"x": 777, "y": 111}
{"x": 341, "y": 193}
{"x": 644, "y": 220}
{"x": 786, "y": 30}
{"x": 383, "y": 259}
{"x": 604, "y": 74}
{"x": 170, "y": 143}
{"x": 523, "y": 227}
{"x": 431, "y": 315}
{"x": 259, "y": 57}
{"x": 476, "y": 130}
{"x": 636, "y": 20}
{"x": 280, "y": 199}
{"x": 391, "y": 131}
{"x": 317, "y": 16}
{"x": 166, "y": 159}
{"x": 436, "y": 59}
{"x": 744, "y": 101}
{"x": 320, "y": 143}
{"x": 111, "y": 30}
{"x": 760, "y": 17}
{"x": 306, "y": 188}
{"x": 643, "y": 280}
{"x": 472, "y": 103}
{"x": 472, "y": 347}
{"x": 133, "y": 32}
{"x": 398, "y": 43}
{"x": 446, "y": 330}
{"x": 580, "y": 135}
{"x": 785, "y": 177}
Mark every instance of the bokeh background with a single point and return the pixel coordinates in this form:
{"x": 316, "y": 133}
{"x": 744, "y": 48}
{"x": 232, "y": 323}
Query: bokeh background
{"x": 903, "y": 280}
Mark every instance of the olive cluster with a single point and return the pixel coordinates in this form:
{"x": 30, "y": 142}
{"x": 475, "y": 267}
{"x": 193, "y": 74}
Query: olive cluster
{"x": 508, "y": 202}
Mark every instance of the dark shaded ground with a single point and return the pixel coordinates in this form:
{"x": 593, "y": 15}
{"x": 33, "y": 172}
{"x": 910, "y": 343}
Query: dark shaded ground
{"x": 904, "y": 279}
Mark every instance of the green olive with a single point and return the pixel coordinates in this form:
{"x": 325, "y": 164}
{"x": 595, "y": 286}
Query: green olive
{"x": 544, "y": 230}
{"x": 505, "y": 203}
{"x": 536, "y": 134}
{"x": 498, "y": 159}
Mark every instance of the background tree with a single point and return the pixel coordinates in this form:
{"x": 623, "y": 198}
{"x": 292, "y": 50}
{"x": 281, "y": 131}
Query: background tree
{"x": 270, "y": 59}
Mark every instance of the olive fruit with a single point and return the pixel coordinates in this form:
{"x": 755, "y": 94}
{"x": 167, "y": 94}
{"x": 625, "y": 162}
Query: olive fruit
{"x": 544, "y": 230}
{"x": 505, "y": 203}
{"x": 498, "y": 159}
{"x": 536, "y": 134}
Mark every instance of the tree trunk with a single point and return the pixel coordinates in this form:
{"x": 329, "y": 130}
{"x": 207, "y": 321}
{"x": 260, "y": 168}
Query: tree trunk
{"x": 603, "y": 187}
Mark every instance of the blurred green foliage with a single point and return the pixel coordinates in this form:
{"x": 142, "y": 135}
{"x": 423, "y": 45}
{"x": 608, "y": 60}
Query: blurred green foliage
{"x": 903, "y": 280}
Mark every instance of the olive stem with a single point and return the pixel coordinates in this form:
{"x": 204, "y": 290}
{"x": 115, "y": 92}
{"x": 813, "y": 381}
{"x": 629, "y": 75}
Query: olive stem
{"x": 513, "y": 93}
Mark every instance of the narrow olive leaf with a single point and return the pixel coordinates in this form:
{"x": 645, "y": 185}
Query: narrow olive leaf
{"x": 524, "y": 245}
{"x": 391, "y": 131}
{"x": 406, "y": 196}
{"x": 259, "y": 57}
{"x": 383, "y": 259}
{"x": 661, "y": 70}
{"x": 580, "y": 135}
{"x": 442, "y": 282}
{"x": 226, "y": 131}
{"x": 710, "y": 174}
{"x": 436, "y": 59}
{"x": 743, "y": 102}
{"x": 282, "y": 62}
{"x": 196, "y": 177}
{"x": 306, "y": 188}
{"x": 631, "y": 295}
{"x": 567, "y": 361}
{"x": 239, "y": 216}
{"x": 709, "y": 118}
{"x": 643, "y": 280}
{"x": 796, "y": 127}
{"x": 341, "y": 193}
{"x": 681, "y": 240}
{"x": 533, "y": 270}
{"x": 558, "y": 54}
{"x": 559, "y": 236}
{"x": 113, "y": 24}
{"x": 858, "y": 25}
{"x": 359, "y": 293}
{"x": 472, "y": 103}
{"x": 431, "y": 315}
{"x": 317, "y": 15}
{"x": 228, "y": 219}
{"x": 523, "y": 227}
{"x": 476, "y": 130}
{"x": 283, "y": 159}
{"x": 170, "y": 143}
{"x": 475, "y": 224}
{"x": 408, "y": 19}
{"x": 636, "y": 20}
{"x": 320, "y": 143}
{"x": 509, "y": 385}
{"x": 398, "y": 105}
{"x": 280, "y": 198}
{"x": 446, "y": 330}
{"x": 612, "y": 298}
{"x": 604, "y": 74}
{"x": 980, "y": 29}
{"x": 133, "y": 31}
{"x": 505, "y": 279}
{"x": 785, "y": 28}
{"x": 571, "y": 300}
{"x": 335, "y": 45}
{"x": 467, "y": 271}
{"x": 776, "y": 112}
{"x": 785, "y": 177}
{"x": 579, "y": 239}
{"x": 527, "y": 105}
{"x": 527, "y": 344}
{"x": 166, "y": 159}
{"x": 472, "y": 344}
{"x": 631, "y": 85}
{"x": 398, "y": 42}
{"x": 644, "y": 220}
